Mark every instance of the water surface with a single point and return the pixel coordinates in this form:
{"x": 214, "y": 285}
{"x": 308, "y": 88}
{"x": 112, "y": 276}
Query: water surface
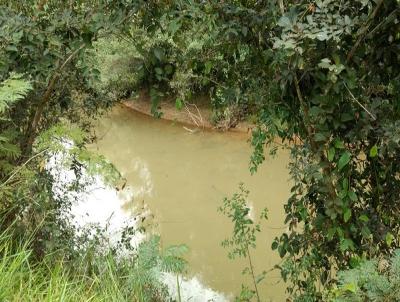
{"x": 182, "y": 178}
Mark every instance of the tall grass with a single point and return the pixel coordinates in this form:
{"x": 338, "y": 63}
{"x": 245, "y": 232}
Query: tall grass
{"x": 101, "y": 279}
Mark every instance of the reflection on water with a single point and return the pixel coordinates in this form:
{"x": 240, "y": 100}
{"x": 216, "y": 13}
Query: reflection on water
{"x": 182, "y": 177}
{"x": 97, "y": 205}
{"x": 104, "y": 206}
{"x": 192, "y": 289}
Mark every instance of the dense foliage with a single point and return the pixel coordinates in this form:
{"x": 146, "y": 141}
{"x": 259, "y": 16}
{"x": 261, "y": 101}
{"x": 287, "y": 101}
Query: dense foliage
{"x": 184, "y": 48}
{"x": 339, "y": 74}
{"x": 43, "y": 43}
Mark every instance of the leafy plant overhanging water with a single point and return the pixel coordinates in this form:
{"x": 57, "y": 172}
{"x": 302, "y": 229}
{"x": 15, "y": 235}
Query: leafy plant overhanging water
{"x": 243, "y": 238}
{"x": 321, "y": 76}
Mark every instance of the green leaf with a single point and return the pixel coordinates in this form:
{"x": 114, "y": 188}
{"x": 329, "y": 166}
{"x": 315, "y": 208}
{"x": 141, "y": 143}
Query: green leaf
{"x": 12, "y": 48}
{"x": 339, "y": 144}
{"x": 346, "y": 244}
{"x": 373, "y": 151}
{"x": 261, "y": 277}
{"x": 365, "y": 232}
{"x": 158, "y": 70}
{"x": 347, "y": 215}
{"x": 322, "y": 36}
{"x": 364, "y": 218}
{"x": 352, "y": 195}
{"x": 319, "y": 137}
{"x": 350, "y": 287}
{"x": 159, "y": 53}
{"x": 344, "y": 160}
{"x": 13, "y": 89}
{"x": 345, "y": 117}
{"x": 325, "y": 63}
{"x": 285, "y": 22}
{"x": 331, "y": 154}
{"x": 168, "y": 69}
{"x": 174, "y": 26}
{"x": 282, "y": 251}
{"x": 315, "y": 111}
{"x": 342, "y": 194}
{"x": 345, "y": 184}
{"x": 389, "y": 238}
{"x": 207, "y": 67}
{"x": 331, "y": 232}
{"x": 355, "y": 261}
{"x": 244, "y": 31}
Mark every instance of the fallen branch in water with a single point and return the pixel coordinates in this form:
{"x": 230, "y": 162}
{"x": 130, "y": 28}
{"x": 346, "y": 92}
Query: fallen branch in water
{"x": 191, "y": 130}
{"x": 196, "y": 119}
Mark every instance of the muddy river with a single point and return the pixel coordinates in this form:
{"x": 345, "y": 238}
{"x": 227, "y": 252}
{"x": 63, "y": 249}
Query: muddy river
{"x": 182, "y": 178}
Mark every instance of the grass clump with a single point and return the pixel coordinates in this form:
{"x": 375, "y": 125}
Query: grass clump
{"x": 104, "y": 277}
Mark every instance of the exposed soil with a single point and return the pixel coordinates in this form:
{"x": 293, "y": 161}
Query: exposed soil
{"x": 194, "y": 116}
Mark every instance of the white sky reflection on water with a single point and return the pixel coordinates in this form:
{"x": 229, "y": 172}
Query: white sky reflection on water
{"x": 103, "y": 205}
{"x": 99, "y": 204}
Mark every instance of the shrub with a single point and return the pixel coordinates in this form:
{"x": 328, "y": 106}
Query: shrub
{"x": 375, "y": 280}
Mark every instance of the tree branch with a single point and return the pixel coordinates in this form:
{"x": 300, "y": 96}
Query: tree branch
{"x": 305, "y": 111}
{"x": 364, "y": 30}
{"x": 361, "y": 105}
{"x": 31, "y": 132}
{"x": 314, "y": 147}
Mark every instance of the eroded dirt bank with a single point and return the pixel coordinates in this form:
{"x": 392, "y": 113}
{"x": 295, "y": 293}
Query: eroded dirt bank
{"x": 194, "y": 117}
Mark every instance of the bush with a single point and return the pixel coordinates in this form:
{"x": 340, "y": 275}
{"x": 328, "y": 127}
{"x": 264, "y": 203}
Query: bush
{"x": 375, "y": 280}
{"x": 118, "y": 66}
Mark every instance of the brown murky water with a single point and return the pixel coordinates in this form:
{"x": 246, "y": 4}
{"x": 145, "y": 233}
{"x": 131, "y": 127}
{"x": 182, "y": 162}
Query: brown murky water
{"x": 182, "y": 177}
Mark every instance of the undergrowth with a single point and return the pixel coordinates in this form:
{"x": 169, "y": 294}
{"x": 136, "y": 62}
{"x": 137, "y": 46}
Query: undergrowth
{"x": 103, "y": 277}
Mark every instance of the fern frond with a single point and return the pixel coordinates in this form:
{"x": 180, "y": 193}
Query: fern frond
{"x": 172, "y": 259}
{"x": 6, "y": 167}
{"x": 9, "y": 150}
{"x": 148, "y": 253}
{"x": 13, "y": 89}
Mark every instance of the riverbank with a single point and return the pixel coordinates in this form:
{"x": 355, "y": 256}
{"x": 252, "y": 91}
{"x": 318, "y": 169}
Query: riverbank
{"x": 194, "y": 117}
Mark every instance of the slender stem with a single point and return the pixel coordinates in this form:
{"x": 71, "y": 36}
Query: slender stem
{"x": 361, "y": 105}
{"x": 178, "y": 288}
{"x": 252, "y": 273}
